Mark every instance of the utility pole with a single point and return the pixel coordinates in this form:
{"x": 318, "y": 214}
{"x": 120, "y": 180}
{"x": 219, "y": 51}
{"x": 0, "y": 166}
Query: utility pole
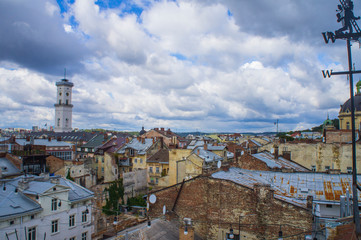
{"x": 346, "y": 16}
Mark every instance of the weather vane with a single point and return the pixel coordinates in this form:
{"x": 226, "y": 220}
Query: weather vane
{"x": 349, "y": 31}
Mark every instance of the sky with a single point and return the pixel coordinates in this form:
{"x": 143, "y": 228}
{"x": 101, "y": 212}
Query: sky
{"x": 187, "y": 65}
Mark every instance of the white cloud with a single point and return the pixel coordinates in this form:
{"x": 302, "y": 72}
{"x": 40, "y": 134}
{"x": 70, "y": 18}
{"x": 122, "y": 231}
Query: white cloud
{"x": 183, "y": 65}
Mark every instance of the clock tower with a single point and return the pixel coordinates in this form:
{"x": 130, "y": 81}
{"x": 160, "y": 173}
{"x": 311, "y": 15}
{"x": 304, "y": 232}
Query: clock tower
{"x": 63, "y": 106}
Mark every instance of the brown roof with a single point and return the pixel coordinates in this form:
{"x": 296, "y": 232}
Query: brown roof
{"x": 162, "y": 156}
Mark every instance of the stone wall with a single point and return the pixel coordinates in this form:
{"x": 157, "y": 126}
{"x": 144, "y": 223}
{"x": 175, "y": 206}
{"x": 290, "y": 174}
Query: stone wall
{"x": 215, "y": 205}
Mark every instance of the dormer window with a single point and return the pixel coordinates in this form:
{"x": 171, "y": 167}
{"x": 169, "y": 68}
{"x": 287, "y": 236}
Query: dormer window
{"x": 54, "y": 204}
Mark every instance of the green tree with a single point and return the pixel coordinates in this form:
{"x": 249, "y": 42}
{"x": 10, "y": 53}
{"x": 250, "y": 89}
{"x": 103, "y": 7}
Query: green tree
{"x": 137, "y": 201}
{"x": 115, "y": 193}
{"x": 69, "y": 177}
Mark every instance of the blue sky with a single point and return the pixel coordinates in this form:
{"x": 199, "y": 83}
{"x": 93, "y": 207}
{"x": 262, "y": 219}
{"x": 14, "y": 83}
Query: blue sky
{"x": 206, "y": 65}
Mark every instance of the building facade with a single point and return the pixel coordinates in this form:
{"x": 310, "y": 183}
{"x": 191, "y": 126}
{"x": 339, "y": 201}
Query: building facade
{"x": 44, "y": 208}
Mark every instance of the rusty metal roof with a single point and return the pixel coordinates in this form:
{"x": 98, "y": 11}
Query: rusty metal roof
{"x": 297, "y": 186}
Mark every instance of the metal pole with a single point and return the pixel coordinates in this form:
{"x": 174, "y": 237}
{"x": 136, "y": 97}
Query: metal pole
{"x": 356, "y": 214}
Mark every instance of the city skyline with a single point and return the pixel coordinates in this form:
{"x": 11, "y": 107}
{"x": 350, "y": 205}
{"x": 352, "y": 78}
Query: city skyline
{"x": 209, "y": 66}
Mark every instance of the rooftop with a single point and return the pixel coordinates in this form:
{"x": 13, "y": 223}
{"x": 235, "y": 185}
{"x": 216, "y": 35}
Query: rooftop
{"x": 322, "y": 187}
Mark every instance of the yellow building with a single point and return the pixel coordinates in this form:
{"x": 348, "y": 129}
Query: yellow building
{"x": 158, "y": 168}
{"x": 345, "y": 111}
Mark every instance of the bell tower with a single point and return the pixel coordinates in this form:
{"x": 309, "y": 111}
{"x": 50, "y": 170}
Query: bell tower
{"x": 63, "y": 106}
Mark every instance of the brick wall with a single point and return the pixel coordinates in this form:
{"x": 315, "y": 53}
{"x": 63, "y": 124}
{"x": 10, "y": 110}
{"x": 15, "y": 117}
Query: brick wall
{"x": 214, "y": 205}
{"x": 246, "y": 161}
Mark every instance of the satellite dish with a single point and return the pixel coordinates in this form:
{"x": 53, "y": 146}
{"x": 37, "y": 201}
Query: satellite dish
{"x": 219, "y": 164}
{"x": 164, "y": 209}
{"x": 242, "y": 152}
{"x": 152, "y": 198}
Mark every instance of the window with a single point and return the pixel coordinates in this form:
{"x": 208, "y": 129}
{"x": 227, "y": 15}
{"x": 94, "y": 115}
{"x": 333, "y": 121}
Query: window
{"x": 60, "y": 94}
{"x": 157, "y": 170}
{"x": 349, "y": 170}
{"x": 84, "y": 235}
{"x": 54, "y": 204}
{"x": 327, "y": 168}
{"x": 67, "y": 102}
{"x": 67, "y": 94}
{"x": 313, "y": 168}
{"x": 54, "y": 226}
{"x": 66, "y": 122}
{"x": 347, "y": 125}
{"x": 328, "y": 205}
{"x": 83, "y": 216}
{"x": 12, "y": 222}
{"x": 72, "y": 238}
{"x": 59, "y": 102}
{"x": 141, "y": 160}
{"x": 102, "y": 160}
{"x": 32, "y": 216}
{"x": 58, "y": 122}
{"x": 131, "y": 152}
{"x": 156, "y": 181}
{"x": 32, "y": 233}
{"x": 102, "y": 169}
{"x": 71, "y": 220}
{"x": 150, "y": 169}
{"x": 135, "y": 160}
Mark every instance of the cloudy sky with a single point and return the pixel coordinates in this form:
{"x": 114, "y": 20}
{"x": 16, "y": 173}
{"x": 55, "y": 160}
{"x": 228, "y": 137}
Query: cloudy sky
{"x": 206, "y": 65}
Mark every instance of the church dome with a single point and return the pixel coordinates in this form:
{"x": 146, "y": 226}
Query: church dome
{"x": 346, "y": 107}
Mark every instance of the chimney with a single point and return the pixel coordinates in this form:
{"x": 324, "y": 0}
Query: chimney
{"x": 156, "y": 129}
{"x": 153, "y": 139}
{"x": 126, "y": 140}
{"x": 161, "y": 143}
{"x": 205, "y": 146}
{"x": 138, "y": 138}
{"x": 143, "y": 140}
{"x": 186, "y": 230}
{"x": 276, "y": 151}
{"x": 162, "y": 129}
{"x": 198, "y": 151}
{"x": 49, "y": 139}
{"x": 309, "y": 202}
{"x": 28, "y": 138}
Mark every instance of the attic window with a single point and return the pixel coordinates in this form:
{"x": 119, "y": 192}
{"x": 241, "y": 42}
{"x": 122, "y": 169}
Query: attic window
{"x": 12, "y": 222}
{"x": 54, "y": 189}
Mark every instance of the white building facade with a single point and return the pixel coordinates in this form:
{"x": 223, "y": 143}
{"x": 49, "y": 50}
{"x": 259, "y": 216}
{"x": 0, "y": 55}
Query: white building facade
{"x": 45, "y": 208}
{"x": 63, "y": 106}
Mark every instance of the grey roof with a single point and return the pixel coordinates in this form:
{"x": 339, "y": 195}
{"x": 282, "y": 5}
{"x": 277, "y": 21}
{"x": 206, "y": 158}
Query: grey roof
{"x": 17, "y": 203}
{"x": 77, "y": 192}
{"x": 137, "y": 145}
{"x": 207, "y": 156}
{"x": 7, "y": 168}
{"x": 280, "y": 162}
{"x": 212, "y": 147}
{"x": 64, "y": 82}
{"x": 45, "y": 142}
{"x": 294, "y": 187}
{"x": 13, "y": 203}
{"x": 96, "y": 141}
